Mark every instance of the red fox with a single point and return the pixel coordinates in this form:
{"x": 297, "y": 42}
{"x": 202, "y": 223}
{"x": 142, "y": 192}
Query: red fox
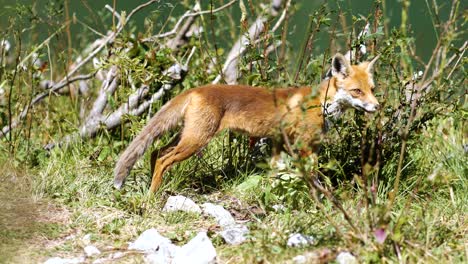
{"x": 259, "y": 112}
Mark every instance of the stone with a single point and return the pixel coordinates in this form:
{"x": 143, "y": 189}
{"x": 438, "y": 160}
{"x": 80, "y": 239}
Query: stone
{"x": 91, "y": 251}
{"x": 199, "y": 250}
{"x": 299, "y": 259}
{"x": 279, "y": 208}
{"x": 181, "y": 203}
{"x": 86, "y": 239}
{"x": 317, "y": 256}
{"x": 231, "y": 232}
{"x": 160, "y": 249}
{"x": 346, "y": 258}
{"x": 235, "y": 235}
{"x": 150, "y": 241}
{"x": 222, "y": 216}
{"x": 164, "y": 254}
{"x": 298, "y": 240}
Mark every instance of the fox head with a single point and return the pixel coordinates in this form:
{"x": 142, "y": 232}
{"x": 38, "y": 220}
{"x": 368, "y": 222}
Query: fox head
{"x": 353, "y": 86}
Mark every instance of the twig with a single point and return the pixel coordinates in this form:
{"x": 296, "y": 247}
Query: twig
{"x": 48, "y": 84}
{"x": 55, "y": 88}
{"x": 110, "y": 38}
{"x": 186, "y": 15}
{"x": 38, "y": 47}
{"x": 461, "y": 52}
{"x": 229, "y": 71}
{"x": 108, "y": 7}
{"x": 190, "y": 56}
{"x": 276, "y": 5}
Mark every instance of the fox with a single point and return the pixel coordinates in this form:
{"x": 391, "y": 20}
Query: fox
{"x": 299, "y": 113}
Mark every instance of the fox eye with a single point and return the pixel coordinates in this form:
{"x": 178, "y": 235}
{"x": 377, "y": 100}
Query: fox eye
{"x": 357, "y": 91}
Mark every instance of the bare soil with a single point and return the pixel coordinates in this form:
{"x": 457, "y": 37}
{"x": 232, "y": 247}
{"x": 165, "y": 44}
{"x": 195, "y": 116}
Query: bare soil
{"x": 28, "y": 226}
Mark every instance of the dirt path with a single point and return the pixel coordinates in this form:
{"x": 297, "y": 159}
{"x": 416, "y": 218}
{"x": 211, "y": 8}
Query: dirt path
{"x": 27, "y": 226}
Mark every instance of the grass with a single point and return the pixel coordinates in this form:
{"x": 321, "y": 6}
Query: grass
{"x": 431, "y": 220}
{"x": 25, "y": 222}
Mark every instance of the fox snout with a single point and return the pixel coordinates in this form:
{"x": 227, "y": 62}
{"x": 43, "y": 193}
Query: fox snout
{"x": 370, "y": 104}
{"x": 370, "y": 107}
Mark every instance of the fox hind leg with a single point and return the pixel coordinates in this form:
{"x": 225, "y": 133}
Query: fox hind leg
{"x": 163, "y": 151}
{"x": 185, "y": 149}
{"x": 197, "y": 132}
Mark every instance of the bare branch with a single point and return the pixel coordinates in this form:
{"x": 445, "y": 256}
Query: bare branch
{"x": 230, "y": 66}
{"x": 47, "y": 84}
{"x": 74, "y": 70}
{"x": 229, "y": 71}
{"x": 134, "y": 105}
{"x": 108, "y": 7}
{"x": 181, "y": 36}
{"x": 110, "y": 38}
{"x": 185, "y": 16}
{"x": 108, "y": 88}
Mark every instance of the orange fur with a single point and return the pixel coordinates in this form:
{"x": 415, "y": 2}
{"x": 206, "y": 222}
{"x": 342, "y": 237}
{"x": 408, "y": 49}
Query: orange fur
{"x": 256, "y": 111}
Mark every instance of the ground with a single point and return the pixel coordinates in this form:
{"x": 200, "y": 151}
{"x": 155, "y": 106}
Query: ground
{"x": 28, "y": 226}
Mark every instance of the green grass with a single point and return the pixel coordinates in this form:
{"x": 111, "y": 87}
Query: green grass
{"x": 430, "y": 221}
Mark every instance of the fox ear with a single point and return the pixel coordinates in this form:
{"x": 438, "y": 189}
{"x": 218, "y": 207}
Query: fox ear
{"x": 340, "y": 66}
{"x": 370, "y": 64}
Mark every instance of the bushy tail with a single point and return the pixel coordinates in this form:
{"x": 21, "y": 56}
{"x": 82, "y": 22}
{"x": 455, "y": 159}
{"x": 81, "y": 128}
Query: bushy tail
{"x": 165, "y": 119}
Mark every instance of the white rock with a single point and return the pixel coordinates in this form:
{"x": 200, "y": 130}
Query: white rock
{"x": 91, "y": 251}
{"x": 58, "y": 260}
{"x": 298, "y": 240}
{"x": 199, "y": 250}
{"x": 181, "y": 203}
{"x": 234, "y": 235}
{"x": 311, "y": 257}
{"x": 86, "y": 239}
{"x": 346, "y": 258}
{"x": 150, "y": 241}
{"x": 70, "y": 237}
{"x": 222, "y": 216}
{"x": 165, "y": 254}
{"x": 299, "y": 259}
{"x": 278, "y": 207}
{"x": 160, "y": 248}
